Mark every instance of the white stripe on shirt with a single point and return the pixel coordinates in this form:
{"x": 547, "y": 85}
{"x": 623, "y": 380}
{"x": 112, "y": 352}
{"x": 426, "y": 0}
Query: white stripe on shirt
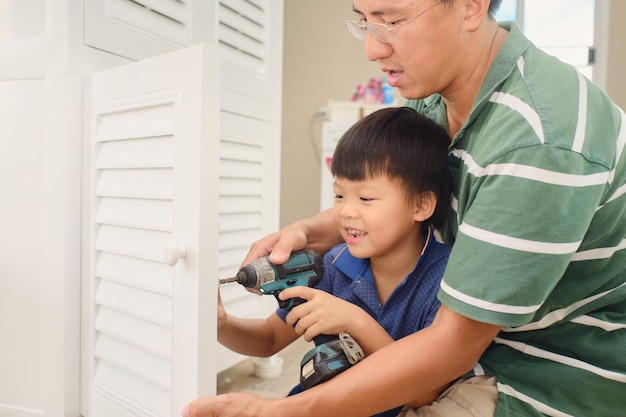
{"x": 601, "y": 324}
{"x": 558, "y": 315}
{"x": 524, "y": 245}
{"x": 485, "y": 305}
{"x": 617, "y": 194}
{"x": 523, "y": 109}
{"x": 581, "y": 126}
{"x": 566, "y": 360}
{"x": 531, "y": 173}
{"x": 599, "y": 253}
{"x": 539, "y": 406}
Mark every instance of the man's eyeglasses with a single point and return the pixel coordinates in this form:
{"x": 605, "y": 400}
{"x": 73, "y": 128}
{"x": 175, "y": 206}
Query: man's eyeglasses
{"x": 382, "y": 32}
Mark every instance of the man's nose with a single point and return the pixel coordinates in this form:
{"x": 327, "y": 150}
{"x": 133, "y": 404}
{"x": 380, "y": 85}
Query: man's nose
{"x": 375, "y": 49}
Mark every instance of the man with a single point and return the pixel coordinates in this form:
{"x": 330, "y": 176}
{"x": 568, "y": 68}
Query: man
{"x": 533, "y": 315}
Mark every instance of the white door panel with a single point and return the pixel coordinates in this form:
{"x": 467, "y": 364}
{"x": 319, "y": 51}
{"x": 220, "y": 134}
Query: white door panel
{"x": 152, "y": 178}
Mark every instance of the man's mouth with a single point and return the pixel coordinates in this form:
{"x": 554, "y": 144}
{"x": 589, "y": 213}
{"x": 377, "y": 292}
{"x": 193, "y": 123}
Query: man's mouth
{"x": 393, "y": 77}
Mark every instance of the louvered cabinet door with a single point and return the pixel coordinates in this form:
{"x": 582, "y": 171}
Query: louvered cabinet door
{"x": 138, "y": 29}
{"x": 250, "y": 39}
{"x": 150, "y": 235}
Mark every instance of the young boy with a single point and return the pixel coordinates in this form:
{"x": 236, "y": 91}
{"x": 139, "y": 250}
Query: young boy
{"x": 392, "y": 187}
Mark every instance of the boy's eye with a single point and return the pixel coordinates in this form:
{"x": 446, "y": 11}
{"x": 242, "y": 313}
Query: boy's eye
{"x": 366, "y": 199}
{"x": 338, "y": 196}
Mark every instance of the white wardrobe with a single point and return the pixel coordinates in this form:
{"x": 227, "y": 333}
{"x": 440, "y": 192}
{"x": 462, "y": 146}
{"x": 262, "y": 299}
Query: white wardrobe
{"x": 140, "y": 155}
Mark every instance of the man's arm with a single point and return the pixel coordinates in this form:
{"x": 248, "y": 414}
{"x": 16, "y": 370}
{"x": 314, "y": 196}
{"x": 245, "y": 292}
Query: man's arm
{"x": 405, "y": 370}
{"x": 408, "y": 369}
{"x": 319, "y": 233}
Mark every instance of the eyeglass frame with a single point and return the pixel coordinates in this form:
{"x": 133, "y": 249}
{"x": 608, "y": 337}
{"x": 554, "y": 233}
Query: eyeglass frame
{"x": 361, "y": 27}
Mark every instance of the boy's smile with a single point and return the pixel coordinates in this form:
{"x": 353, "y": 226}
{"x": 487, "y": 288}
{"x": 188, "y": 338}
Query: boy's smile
{"x": 374, "y": 216}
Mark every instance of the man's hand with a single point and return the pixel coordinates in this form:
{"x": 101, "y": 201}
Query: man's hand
{"x": 278, "y": 245}
{"x": 265, "y": 246}
{"x": 319, "y": 233}
{"x": 226, "y": 405}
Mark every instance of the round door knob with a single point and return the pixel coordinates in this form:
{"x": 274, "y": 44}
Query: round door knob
{"x": 174, "y": 251}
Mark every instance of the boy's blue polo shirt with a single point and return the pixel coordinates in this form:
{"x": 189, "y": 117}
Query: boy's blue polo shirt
{"x": 411, "y": 306}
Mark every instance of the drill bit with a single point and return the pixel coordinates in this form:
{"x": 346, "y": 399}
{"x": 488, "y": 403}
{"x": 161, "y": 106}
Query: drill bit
{"x": 227, "y": 280}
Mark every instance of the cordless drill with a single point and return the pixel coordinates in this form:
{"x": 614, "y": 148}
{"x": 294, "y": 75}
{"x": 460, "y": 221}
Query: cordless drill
{"x": 332, "y": 354}
{"x": 303, "y": 268}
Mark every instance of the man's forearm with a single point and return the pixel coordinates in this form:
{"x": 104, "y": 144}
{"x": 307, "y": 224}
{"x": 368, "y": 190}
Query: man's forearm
{"x": 411, "y": 368}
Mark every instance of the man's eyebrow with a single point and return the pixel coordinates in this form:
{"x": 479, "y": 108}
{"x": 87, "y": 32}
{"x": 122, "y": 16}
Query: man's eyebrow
{"x": 355, "y": 10}
{"x": 387, "y": 11}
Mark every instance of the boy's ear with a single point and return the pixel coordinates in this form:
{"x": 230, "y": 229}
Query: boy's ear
{"x": 425, "y": 206}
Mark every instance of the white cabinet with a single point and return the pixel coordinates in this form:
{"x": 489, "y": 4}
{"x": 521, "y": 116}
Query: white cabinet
{"x": 140, "y": 29}
{"x": 151, "y": 235}
{"x": 104, "y": 171}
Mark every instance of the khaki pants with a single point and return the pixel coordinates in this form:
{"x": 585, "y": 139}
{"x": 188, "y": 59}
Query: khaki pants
{"x": 473, "y": 397}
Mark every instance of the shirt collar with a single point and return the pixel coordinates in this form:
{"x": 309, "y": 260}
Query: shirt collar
{"x": 354, "y": 267}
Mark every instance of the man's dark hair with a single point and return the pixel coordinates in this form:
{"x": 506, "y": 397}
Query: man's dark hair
{"x": 405, "y": 146}
{"x": 493, "y": 6}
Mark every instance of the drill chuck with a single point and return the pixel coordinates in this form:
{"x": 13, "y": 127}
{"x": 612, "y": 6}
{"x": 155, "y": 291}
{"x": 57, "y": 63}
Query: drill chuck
{"x": 248, "y": 277}
{"x": 253, "y": 275}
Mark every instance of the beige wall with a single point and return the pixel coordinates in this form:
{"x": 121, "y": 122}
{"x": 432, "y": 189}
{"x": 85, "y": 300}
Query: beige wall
{"x": 322, "y": 60}
{"x": 616, "y": 69}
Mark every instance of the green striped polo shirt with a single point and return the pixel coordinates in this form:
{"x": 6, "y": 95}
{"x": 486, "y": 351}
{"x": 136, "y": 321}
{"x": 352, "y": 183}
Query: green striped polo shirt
{"x": 539, "y": 226}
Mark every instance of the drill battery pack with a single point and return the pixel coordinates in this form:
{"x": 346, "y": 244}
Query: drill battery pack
{"x": 332, "y": 356}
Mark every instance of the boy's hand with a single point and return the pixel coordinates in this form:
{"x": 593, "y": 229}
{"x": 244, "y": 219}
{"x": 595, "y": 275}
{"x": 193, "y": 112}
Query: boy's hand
{"x": 323, "y": 313}
{"x": 221, "y": 312}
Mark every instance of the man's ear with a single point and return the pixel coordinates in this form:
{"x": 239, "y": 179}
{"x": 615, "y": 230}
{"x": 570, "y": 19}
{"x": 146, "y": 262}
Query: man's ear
{"x": 425, "y": 206}
{"x": 475, "y": 12}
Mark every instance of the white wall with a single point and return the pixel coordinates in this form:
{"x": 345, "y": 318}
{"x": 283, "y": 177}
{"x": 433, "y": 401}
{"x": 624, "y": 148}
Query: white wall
{"x": 321, "y": 61}
{"x": 22, "y": 213}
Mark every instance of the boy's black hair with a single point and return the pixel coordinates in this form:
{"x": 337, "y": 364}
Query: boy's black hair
{"x": 404, "y": 145}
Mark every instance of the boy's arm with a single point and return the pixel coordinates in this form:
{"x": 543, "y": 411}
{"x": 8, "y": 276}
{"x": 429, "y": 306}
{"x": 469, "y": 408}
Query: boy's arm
{"x": 253, "y": 337}
{"x": 368, "y": 333}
